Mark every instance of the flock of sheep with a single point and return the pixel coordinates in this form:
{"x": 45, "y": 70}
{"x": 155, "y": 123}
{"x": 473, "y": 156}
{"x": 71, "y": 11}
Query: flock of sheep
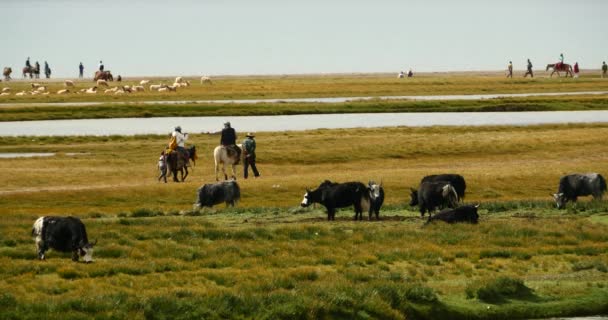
{"x": 69, "y": 87}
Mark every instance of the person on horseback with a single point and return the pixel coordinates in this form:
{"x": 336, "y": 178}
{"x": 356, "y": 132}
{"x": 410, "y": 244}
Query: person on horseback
{"x": 177, "y": 143}
{"x": 529, "y": 72}
{"x": 228, "y": 140}
{"x": 101, "y": 66}
{"x": 561, "y": 61}
{"x": 27, "y": 63}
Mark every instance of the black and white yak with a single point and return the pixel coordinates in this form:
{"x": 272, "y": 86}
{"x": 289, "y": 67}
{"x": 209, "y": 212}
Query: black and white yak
{"x": 574, "y": 185}
{"x": 65, "y": 234}
{"x": 456, "y": 180}
{"x": 339, "y": 195}
{"x": 433, "y": 195}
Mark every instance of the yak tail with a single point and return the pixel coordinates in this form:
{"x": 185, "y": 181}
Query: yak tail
{"x": 602, "y": 182}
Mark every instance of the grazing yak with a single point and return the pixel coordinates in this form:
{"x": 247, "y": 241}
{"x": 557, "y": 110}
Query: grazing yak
{"x": 215, "y": 193}
{"x": 432, "y": 195}
{"x": 574, "y": 185}
{"x": 339, "y": 195}
{"x": 65, "y": 234}
{"x": 466, "y": 213}
{"x": 376, "y": 195}
{"x": 456, "y": 180}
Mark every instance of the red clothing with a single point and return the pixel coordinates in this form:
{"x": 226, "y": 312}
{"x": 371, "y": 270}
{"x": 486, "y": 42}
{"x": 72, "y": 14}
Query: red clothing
{"x": 576, "y": 68}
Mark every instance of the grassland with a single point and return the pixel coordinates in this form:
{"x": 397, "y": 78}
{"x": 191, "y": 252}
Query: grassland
{"x": 229, "y": 88}
{"x": 157, "y": 258}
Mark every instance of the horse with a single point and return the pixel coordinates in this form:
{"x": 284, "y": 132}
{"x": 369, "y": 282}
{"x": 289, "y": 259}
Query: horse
{"x": 562, "y": 67}
{"x": 7, "y": 73}
{"x": 174, "y": 163}
{"x": 103, "y": 75}
{"x": 32, "y": 71}
{"x": 220, "y": 154}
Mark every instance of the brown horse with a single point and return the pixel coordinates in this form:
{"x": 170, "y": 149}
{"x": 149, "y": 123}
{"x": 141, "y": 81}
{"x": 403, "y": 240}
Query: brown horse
{"x": 175, "y": 162}
{"x": 103, "y": 75}
{"x": 7, "y": 73}
{"x": 32, "y": 71}
{"x": 562, "y": 67}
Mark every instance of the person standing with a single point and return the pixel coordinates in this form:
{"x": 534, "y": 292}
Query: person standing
{"x": 529, "y": 71}
{"x": 510, "y": 70}
{"x": 604, "y": 69}
{"x": 249, "y": 152}
{"x": 81, "y": 71}
{"x": 576, "y": 69}
{"x": 47, "y": 70}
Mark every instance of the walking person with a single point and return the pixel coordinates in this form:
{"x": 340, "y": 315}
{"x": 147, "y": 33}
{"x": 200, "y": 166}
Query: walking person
{"x": 529, "y": 71}
{"x": 249, "y": 152}
{"x": 47, "y": 70}
{"x": 604, "y": 69}
{"x": 81, "y": 71}
{"x": 510, "y": 70}
{"x": 576, "y": 69}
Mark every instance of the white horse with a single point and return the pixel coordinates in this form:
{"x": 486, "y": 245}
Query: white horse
{"x": 221, "y": 156}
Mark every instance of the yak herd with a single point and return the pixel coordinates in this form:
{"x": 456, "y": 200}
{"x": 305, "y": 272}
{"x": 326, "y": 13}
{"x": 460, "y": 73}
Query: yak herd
{"x": 444, "y": 191}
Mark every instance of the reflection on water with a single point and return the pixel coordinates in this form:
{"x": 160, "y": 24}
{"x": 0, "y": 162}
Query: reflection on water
{"x": 11, "y": 155}
{"x": 133, "y": 126}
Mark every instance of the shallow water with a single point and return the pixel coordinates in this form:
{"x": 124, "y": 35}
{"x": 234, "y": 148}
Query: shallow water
{"x": 11, "y": 155}
{"x": 133, "y": 126}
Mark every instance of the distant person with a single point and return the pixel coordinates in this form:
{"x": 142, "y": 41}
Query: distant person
{"x": 576, "y": 70}
{"x": 510, "y": 70}
{"x": 47, "y": 70}
{"x": 249, "y": 152}
{"x": 178, "y": 143}
{"x": 228, "y": 140}
{"x": 101, "y": 66}
{"x": 119, "y": 78}
{"x": 81, "y": 71}
{"x": 604, "y": 69}
{"x": 37, "y": 67}
{"x": 401, "y": 75}
{"x": 529, "y": 70}
{"x": 561, "y": 61}
{"x": 410, "y": 74}
{"x": 27, "y": 63}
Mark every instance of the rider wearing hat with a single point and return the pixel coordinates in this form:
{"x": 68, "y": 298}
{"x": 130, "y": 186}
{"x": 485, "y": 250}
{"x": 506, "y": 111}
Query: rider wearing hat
{"x": 228, "y": 140}
{"x": 249, "y": 151}
{"x": 177, "y": 142}
{"x": 27, "y": 63}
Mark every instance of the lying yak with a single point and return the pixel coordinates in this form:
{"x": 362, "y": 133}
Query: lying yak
{"x": 574, "y": 185}
{"x": 456, "y": 180}
{"x": 466, "y": 213}
{"x": 65, "y": 234}
{"x": 433, "y": 195}
{"x": 212, "y": 194}
{"x": 339, "y": 195}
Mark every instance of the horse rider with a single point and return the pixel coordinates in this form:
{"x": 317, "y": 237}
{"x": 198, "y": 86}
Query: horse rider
{"x": 529, "y": 72}
{"x": 228, "y": 141}
{"x": 177, "y": 142}
{"x": 561, "y": 61}
{"x": 604, "y": 69}
{"x": 27, "y": 63}
{"x": 100, "y": 65}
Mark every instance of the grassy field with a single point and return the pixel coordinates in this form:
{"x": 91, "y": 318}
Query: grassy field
{"x": 157, "y": 258}
{"x": 228, "y": 88}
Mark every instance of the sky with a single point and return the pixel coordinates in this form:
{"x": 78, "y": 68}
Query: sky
{"x": 245, "y": 37}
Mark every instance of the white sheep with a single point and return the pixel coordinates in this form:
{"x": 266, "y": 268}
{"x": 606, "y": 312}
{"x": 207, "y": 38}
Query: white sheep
{"x": 6, "y": 89}
{"x": 46, "y": 93}
{"x": 68, "y": 83}
{"x": 35, "y": 85}
{"x": 186, "y": 83}
{"x": 138, "y": 88}
{"x": 5, "y": 94}
{"x": 119, "y": 91}
{"x": 178, "y": 80}
{"x": 91, "y": 90}
{"x": 205, "y": 79}
{"x": 109, "y": 91}
{"x": 165, "y": 89}
{"x": 172, "y": 88}
{"x": 102, "y": 83}
{"x": 41, "y": 89}
{"x": 144, "y": 82}
{"x": 155, "y": 86}
{"x": 22, "y": 93}
{"x": 63, "y": 91}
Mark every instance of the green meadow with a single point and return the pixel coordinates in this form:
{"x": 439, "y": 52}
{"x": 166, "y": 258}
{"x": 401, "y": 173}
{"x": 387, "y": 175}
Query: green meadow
{"x": 157, "y": 257}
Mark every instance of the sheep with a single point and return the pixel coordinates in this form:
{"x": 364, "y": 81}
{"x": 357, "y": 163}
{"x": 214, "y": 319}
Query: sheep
{"x": 126, "y": 88}
{"x": 205, "y": 79}
{"x": 163, "y": 89}
{"x": 41, "y": 89}
{"x": 144, "y": 82}
{"x": 46, "y": 93}
{"x": 5, "y": 94}
{"x": 102, "y": 83}
{"x": 186, "y": 83}
{"x": 119, "y": 91}
{"x": 63, "y": 91}
{"x": 154, "y": 87}
{"x": 172, "y": 88}
{"x": 109, "y": 91}
{"x": 178, "y": 80}
{"x": 35, "y": 85}
{"x": 22, "y": 93}
{"x": 68, "y": 83}
{"x": 6, "y": 89}
{"x": 34, "y": 92}
{"x": 92, "y": 90}
{"x": 138, "y": 88}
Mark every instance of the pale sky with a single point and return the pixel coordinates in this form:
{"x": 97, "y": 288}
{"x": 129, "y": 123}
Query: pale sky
{"x": 231, "y": 37}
